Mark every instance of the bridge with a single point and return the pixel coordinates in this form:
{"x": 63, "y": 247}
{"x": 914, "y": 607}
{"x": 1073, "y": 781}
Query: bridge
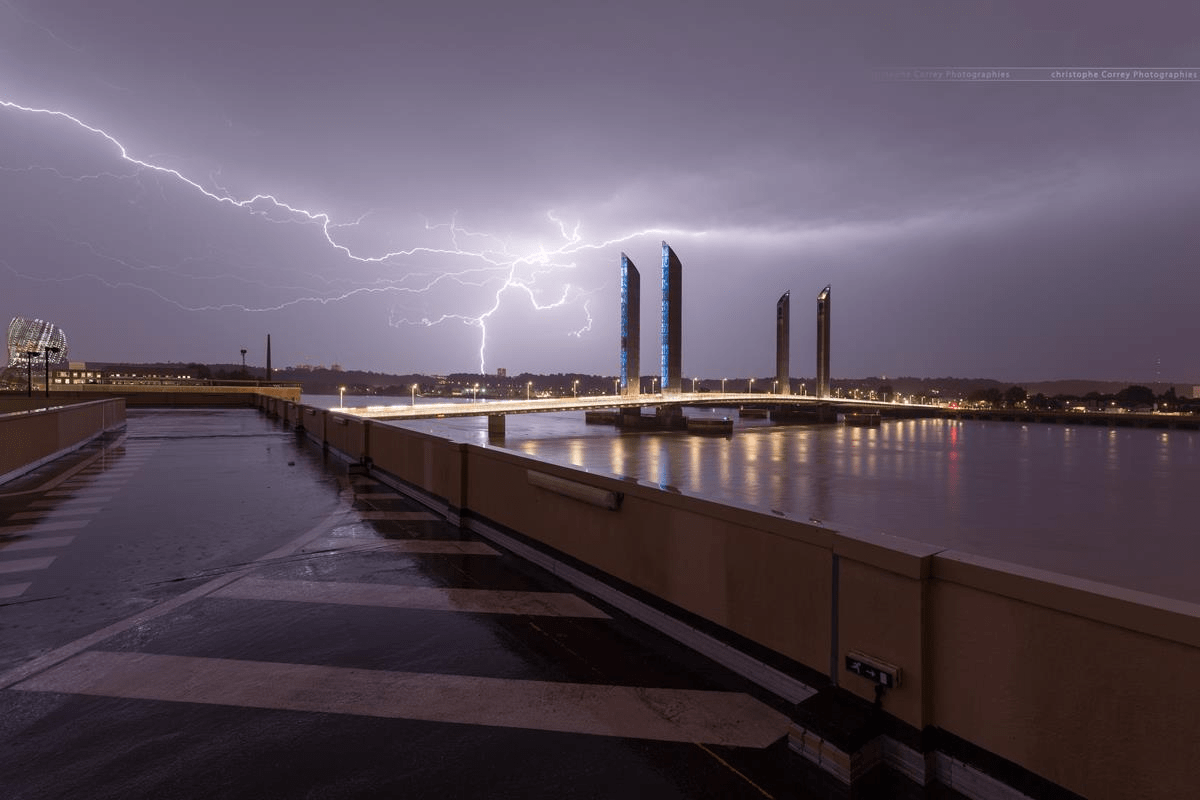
{"x": 667, "y": 404}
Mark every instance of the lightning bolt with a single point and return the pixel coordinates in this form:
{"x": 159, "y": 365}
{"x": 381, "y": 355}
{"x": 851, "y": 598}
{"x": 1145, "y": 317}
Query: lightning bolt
{"x": 587, "y": 312}
{"x": 496, "y": 264}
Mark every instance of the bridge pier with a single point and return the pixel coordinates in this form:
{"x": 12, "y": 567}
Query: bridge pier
{"x": 821, "y": 413}
{"x": 670, "y": 417}
{"x": 496, "y": 425}
{"x": 630, "y": 417}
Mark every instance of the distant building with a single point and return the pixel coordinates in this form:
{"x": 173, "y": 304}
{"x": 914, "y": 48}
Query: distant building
{"x": 35, "y": 336}
{"x": 501, "y": 373}
{"x": 631, "y": 327}
{"x": 823, "y": 343}
{"x": 783, "y": 315}
{"x": 77, "y": 372}
{"x": 672, "y": 320}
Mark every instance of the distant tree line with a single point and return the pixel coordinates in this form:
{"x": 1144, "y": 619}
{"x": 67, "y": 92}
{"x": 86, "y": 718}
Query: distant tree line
{"x": 1130, "y": 398}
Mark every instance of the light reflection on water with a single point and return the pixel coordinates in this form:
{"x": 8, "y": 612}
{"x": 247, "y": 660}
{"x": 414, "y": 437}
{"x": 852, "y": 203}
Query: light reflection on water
{"x": 1117, "y": 505}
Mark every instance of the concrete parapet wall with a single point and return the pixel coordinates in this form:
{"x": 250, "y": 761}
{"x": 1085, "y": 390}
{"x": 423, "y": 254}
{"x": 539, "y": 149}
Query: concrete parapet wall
{"x": 762, "y": 577}
{"x": 1088, "y": 686}
{"x": 1093, "y": 687}
{"x": 345, "y": 433}
{"x": 12, "y": 402}
{"x": 882, "y": 599}
{"x": 430, "y": 463}
{"x": 31, "y": 438}
{"x": 155, "y": 395}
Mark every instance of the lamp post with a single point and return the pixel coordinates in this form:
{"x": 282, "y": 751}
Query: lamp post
{"x": 722, "y": 386}
{"x": 475, "y": 393}
{"x": 47, "y": 352}
{"x": 775, "y": 388}
{"x": 528, "y": 390}
{"x": 575, "y": 388}
{"x": 693, "y": 385}
{"x": 243, "y": 362}
{"x": 653, "y": 385}
{"x": 414, "y": 395}
{"x": 341, "y": 397}
{"x": 30, "y": 355}
{"x": 750, "y": 388}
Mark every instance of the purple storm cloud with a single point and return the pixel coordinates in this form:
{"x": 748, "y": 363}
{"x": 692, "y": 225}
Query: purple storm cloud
{"x": 449, "y": 187}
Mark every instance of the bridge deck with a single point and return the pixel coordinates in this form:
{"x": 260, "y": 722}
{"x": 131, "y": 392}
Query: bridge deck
{"x": 492, "y": 407}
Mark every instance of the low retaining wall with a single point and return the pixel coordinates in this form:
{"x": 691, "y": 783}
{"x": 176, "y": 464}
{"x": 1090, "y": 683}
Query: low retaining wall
{"x": 1087, "y": 686}
{"x": 168, "y": 396}
{"x": 30, "y": 438}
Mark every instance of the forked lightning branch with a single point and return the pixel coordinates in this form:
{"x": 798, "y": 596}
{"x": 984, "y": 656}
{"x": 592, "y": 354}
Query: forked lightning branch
{"x": 504, "y": 275}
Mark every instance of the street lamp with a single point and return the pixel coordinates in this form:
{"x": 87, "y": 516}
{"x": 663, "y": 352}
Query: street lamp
{"x": 243, "y": 362}
{"x": 575, "y": 389}
{"x": 616, "y": 386}
{"x": 775, "y": 388}
{"x": 528, "y": 389}
{"x": 693, "y": 385}
{"x": 475, "y": 393}
{"x": 48, "y": 351}
{"x": 750, "y": 389}
{"x": 30, "y": 355}
{"x": 722, "y": 385}
{"x": 653, "y": 385}
{"x": 341, "y": 395}
{"x": 414, "y": 394}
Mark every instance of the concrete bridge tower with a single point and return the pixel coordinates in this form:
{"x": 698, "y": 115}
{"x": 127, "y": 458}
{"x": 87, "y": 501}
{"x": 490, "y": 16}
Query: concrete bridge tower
{"x": 631, "y": 327}
{"x": 783, "y": 316}
{"x": 672, "y": 320}
{"x": 823, "y": 343}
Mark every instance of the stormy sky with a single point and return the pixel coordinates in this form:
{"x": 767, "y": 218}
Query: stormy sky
{"x": 448, "y": 186}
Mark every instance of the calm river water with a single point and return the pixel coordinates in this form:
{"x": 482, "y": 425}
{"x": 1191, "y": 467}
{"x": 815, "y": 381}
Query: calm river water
{"x": 1117, "y": 505}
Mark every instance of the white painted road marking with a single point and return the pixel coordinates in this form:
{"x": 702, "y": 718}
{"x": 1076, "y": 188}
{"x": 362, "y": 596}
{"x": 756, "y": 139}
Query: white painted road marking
{"x": 427, "y": 598}
{"x": 673, "y": 715}
{"x": 75, "y": 501}
{"x": 38, "y": 527}
{"x": 26, "y": 564}
{"x": 57, "y": 512}
{"x": 40, "y": 543}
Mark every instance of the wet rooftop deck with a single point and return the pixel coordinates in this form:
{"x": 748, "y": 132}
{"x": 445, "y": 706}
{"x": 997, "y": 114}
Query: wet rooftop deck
{"x": 208, "y": 606}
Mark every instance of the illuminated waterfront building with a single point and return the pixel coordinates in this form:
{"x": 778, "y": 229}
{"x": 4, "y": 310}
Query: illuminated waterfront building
{"x": 823, "y": 343}
{"x": 672, "y": 320}
{"x": 783, "y": 315}
{"x": 35, "y": 336}
{"x": 631, "y": 327}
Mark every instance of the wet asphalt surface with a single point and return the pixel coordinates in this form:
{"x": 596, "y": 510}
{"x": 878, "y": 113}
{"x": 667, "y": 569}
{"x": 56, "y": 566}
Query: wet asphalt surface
{"x": 206, "y": 540}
